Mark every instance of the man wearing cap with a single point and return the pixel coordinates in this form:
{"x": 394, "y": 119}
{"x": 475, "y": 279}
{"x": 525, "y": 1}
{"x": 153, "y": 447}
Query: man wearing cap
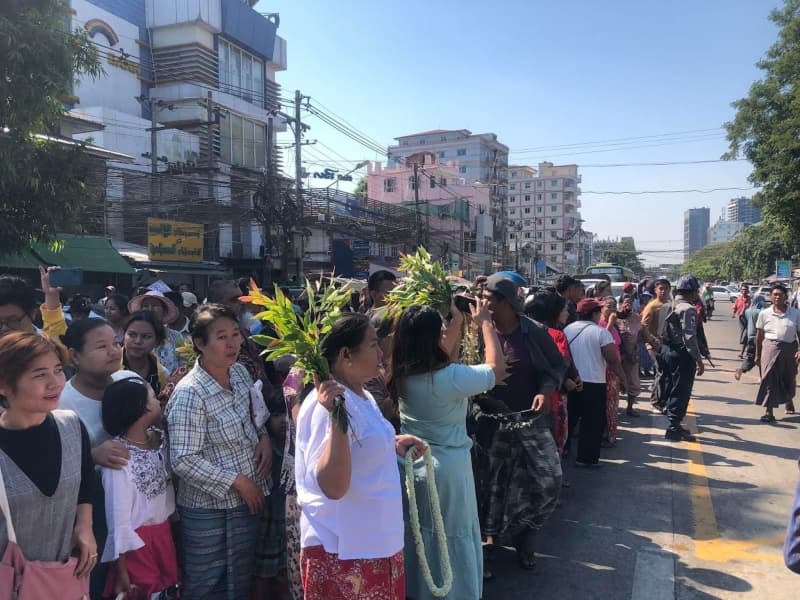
{"x": 653, "y": 317}
{"x": 110, "y": 291}
{"x": 681, "y": 356}
{"x": 523, "y": 476}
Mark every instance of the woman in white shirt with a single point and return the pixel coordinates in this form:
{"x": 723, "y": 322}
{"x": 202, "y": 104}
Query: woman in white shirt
{"x": 348, "y": 485}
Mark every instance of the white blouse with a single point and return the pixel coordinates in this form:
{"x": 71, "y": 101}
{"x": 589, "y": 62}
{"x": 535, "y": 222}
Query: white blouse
{"x": 138, "y": 494}
{"x": 368, "y": 521}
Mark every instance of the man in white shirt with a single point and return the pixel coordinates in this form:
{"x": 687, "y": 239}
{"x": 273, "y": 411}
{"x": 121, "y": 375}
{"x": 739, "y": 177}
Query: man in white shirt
{"x": 777, "y": 331}
{"x": 592, "y": 348}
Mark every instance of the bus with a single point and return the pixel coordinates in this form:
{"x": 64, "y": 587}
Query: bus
{"x": 613, "y": 272}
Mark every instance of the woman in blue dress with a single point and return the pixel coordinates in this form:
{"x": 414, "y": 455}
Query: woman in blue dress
{"x": 432, "y": 393}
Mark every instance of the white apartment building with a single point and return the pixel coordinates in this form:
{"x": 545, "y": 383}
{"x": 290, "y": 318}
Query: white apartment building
{"x": 723, "y": 231}
{"x": 543, "y": 217}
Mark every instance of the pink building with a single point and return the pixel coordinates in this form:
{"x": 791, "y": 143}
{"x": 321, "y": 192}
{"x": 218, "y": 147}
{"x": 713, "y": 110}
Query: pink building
{"x": 455, "y": 214}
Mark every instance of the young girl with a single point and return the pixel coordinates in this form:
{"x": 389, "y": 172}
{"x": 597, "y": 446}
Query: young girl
{"x": 142, "y": 334}
{"x": 139, "y": 497}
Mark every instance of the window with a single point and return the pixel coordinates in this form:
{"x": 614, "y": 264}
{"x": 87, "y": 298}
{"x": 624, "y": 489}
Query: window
{"x": 553, "y": 234}
{"x": 443, "y": 138}
{"x": 512, "y": 198}
{"x": 462, "y": 169}
{"x": 554, "y": 208}
{"x": 442, "y": 181}
{"x": 412, "y": 184}
{"x": 538, "y": 209}
{"x": 569, "y": 183}
{"x": 512, "y": 223}
{"x": 527, "y": 222}
{"x": 240, "y": 73}
{"x": 539, "y": 197}
{"x": 461, "y": 152}
{"x": 539, "y": 236}
{"x": 553, "y": 247}
{"x": 513, "y": 186}
{"x": 553, "y": 195}
{"x": 390, "y": 184}
{"x": 553, "y": 221}
{"x": 242, "y": 142}
{"x": 512, "y": 211}
{"x": 527, "y": 197}
{"x": 422, "y": 142}
{"x": 511, "y": 236}
{"x": 528, "y": 185}
{"x": 527, "y": 210}
{"x": 441, "y": 154}
{"x": 539, "y": 184}
{"x": 514, "y": 174}
{"x": 527, "y": 235}
{"x": 433, "y": 181}
{"x": 554, "y": 183}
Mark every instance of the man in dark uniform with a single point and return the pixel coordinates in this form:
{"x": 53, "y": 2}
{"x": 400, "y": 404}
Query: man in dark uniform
{"x": 681, "y": 356}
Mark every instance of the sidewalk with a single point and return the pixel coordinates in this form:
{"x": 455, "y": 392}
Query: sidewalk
{"x": 666, "y": 520}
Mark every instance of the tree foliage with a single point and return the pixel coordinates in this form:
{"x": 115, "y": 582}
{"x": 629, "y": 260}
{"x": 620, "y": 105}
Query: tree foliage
{"x": 624, "y": 254}
{"x": 750, "y": 256}
{"x": 41, "y": 182}
{"x": 766, "y": 128}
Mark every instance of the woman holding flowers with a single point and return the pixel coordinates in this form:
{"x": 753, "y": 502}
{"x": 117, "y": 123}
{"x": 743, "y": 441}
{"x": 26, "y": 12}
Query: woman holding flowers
{"x": 432, "y": 393}
{"x": 348, "y": 485}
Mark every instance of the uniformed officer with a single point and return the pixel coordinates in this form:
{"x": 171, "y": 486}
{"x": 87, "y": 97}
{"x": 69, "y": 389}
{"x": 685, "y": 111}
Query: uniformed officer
{"x": 681, "y": 356}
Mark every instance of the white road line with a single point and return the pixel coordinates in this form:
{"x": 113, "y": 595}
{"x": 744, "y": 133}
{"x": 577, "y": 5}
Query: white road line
{"x": 653, "y": 576}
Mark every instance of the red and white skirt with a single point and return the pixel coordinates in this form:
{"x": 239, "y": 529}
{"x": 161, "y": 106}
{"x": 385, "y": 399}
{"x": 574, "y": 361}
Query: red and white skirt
{"x": 327, "y": 577}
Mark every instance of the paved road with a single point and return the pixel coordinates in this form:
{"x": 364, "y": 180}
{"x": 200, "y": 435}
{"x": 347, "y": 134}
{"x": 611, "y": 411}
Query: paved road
{"x": 667, "y": 521}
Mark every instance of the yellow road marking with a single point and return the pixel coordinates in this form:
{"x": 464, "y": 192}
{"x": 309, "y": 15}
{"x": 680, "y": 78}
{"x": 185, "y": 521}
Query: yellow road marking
{"x": 708, "y": 544}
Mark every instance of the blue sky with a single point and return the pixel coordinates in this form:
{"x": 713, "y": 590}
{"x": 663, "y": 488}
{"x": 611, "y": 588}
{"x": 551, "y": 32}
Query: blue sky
{"x": 543, "y": 75}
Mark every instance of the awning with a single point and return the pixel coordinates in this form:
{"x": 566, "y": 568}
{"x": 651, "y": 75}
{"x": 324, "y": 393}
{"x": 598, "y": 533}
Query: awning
{"x": 87, "y": 252}
{"x": 24, "y": 260}
{"x": 185, "y": 268}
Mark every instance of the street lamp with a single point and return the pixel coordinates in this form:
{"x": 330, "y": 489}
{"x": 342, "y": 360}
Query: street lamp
{"x": 360, "y": 165}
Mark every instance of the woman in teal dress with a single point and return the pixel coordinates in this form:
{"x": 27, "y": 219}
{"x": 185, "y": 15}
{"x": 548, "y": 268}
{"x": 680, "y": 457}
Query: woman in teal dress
{"x": 432, "y": 393}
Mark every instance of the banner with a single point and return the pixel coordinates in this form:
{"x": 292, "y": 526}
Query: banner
{"x": 174, "y": 240}
{"x": 783, "y": 269}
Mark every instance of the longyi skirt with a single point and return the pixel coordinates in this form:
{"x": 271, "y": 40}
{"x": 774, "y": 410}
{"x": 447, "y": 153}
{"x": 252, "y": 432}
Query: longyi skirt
{"x": 327, "y": 577}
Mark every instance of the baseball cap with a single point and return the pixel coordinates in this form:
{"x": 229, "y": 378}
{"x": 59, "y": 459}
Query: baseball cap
{"x": 588, "y": 305}
{"x": 503, "y": 286}
{"x": 189, "y": 299}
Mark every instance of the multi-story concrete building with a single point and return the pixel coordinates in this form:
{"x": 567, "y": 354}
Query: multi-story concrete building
{"x": 202, "y": 74}
{"x": 741, "y": 210}
{"x": 695, "y": 230}
{"x": 723, "y": 231}
{"x": 455, "y": 221}
{"x": 482, "y": 160}
{"x": 543, "y": 215}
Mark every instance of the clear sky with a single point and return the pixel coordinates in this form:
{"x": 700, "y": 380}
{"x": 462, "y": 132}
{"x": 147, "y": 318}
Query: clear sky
{"x": 570, "y": 81}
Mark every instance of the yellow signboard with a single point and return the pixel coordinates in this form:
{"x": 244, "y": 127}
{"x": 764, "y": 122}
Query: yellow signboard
{"x": 174, "y": 240}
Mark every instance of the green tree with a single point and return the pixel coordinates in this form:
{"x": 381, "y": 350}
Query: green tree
{"x": 624, "y": 254}
{"x": 361, "y": 189}
{"x": 41, "y": 187}
{"x": 766, "y": 128}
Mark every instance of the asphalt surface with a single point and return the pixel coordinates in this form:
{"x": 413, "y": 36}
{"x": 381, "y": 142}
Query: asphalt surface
{"x": 665, "y": 521}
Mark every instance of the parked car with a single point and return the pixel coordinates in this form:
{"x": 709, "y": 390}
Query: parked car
{"x": 721, "y": 293}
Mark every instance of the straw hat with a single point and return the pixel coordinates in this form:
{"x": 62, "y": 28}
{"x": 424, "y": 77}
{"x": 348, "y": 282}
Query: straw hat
{"x": 170, "y": 310}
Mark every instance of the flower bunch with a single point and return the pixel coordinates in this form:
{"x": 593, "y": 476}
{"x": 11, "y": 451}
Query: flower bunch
{"x": 425, "y": 283}
{"x": 302, "y": 336}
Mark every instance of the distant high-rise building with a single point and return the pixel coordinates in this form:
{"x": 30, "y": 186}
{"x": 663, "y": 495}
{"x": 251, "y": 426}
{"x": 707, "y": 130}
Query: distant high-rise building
{"x": 724, "y": 231}
{"x": 741, "y": 210}
{"x": 695, "y": 229}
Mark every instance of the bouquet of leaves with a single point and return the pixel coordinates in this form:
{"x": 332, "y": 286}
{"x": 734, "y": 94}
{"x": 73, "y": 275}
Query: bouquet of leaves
{"x": 425, "y": 283}
{"x": 302, "y": 337}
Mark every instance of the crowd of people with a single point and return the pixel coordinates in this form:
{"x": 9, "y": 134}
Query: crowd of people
{"x": 163, "y": 455}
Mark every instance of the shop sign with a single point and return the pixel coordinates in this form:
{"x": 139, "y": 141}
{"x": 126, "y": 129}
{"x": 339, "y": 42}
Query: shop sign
{"x": 174, "y": 240}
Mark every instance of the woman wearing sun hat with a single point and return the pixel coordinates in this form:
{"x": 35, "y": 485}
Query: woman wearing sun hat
{"x": 166, "y": 311}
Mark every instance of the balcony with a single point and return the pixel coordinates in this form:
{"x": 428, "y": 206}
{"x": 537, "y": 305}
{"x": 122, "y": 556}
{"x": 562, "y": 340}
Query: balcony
{"x": 206, "y": 13}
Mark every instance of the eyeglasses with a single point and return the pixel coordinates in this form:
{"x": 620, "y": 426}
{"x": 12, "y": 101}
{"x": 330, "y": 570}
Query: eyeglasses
{"x": 12, "y": 323}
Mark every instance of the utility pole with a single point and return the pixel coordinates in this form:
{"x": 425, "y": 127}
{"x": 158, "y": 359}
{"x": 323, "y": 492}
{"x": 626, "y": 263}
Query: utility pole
{"x": 298, "y": 184}
{"x": 416, "y": 205}
{"x": 267, "y": 209}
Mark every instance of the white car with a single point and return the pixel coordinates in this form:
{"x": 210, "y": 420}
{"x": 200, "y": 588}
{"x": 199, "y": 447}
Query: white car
{"x": 720, "y": 293}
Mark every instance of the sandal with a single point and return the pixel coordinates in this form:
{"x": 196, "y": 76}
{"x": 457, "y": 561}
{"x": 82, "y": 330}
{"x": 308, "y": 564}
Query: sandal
{"x": 527, "y": 560}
